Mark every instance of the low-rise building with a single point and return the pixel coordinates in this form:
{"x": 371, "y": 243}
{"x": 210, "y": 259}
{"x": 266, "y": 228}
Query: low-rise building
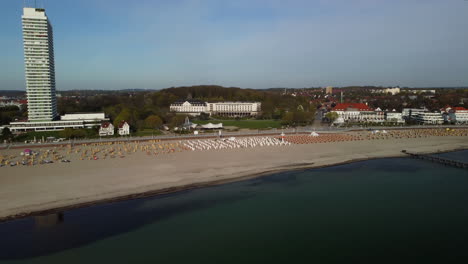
{"x": 461, "y": 115}
{"x": 458, "y": 115}
{"x": 410, "y": 113}
{"x": 76, "y": 121}
{"x": 428, "y": 118}
{"x": 394, "y": 117}
{"x": 25, "y": 126}
{"x": 392, "y": 91}
{"x": 234, "y": 109}
{"x": 358, "y": 112}
{"x": 106, "y": 129}
{"x": 89, "y": 119}
{"x": 124, "y": 128}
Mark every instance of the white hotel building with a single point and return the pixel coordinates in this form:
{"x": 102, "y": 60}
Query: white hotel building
{"x": 429, "y": 118}
{"x": 40, "y": 80}
{"x": 232, "y": 109}
{"x": 39, "y": 65}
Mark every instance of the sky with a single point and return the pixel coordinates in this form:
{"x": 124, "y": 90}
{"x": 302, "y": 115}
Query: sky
{"x": 148, "y": 44}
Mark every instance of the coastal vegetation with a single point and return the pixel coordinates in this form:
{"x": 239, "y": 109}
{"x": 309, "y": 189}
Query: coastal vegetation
{"x": 150, "y": 109}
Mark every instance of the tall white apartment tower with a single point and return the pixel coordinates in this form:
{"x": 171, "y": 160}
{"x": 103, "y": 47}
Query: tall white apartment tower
{"x": 39, "y": 65}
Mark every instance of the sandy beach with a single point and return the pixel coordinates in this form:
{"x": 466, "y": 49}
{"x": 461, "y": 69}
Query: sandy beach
{"x": 27, "y": 190}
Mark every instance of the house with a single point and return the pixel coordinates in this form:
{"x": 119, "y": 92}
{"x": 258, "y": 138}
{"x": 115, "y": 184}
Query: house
{"x": 106, "y": 129}
{"x": 461, "y": 115}
{"x": 124, "y": 128}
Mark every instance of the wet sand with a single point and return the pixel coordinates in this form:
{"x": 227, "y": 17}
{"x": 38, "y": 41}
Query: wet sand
{"x": 26, "y": 190}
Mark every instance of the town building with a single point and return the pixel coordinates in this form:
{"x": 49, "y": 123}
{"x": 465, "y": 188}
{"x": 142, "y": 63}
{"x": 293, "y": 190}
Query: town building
{"x": 106, "y": 129}
{"x": 461, "y": 115}
{"x": 392, "y": 91}
{"x": 420, "y": 91}
{"x": 394, "y": 117}
{"x": 457, "y": 115}
{"x": 410, "y": 113}
{"x": 124, "y": 128}
{"x": 329, "y": 90}
{"x": 232, "y": 109}
{"x": 17, "y": 103}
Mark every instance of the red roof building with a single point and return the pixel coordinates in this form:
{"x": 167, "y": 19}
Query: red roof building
{"x": 122, "y": 123}
{"x": 352, "y": 107}
{"x": 459, "y": 109}
{"x": 105, "y": 125}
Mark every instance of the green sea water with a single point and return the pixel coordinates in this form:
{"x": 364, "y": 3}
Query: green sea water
{"x": 379, "y": 211}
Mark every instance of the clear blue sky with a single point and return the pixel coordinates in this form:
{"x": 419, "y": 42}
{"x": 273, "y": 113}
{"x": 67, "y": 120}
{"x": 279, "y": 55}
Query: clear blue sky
{"x": 119, "y": 44}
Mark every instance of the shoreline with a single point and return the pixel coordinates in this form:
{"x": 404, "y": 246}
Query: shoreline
{"x": 205, "y": 184}
{"x": 214, "y": 136}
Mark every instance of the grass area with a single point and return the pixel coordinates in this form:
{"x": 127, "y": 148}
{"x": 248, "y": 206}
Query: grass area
{"x": 37, "y": 135}
{"x": 147, "y": 132}
{"x": 252, "y": 124}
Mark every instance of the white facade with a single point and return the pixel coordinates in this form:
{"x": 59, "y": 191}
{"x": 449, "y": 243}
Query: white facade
{"x": 412, "y": 112}
{"x": 461, "y": 115}
{"x": 418, "y": 91}
{"x": 358, "y": 112}
{"x": 348, "y": 115}
{"x": 124, "y": 129}
{"x": 84, "y": 116}
{"x": 235, "y": 108}
{"x": 395, "y": 117}
{"x": 190, "y": 107}
{"x": 429, "y": 118}
{"x": 39, "y": 65}
{"x": 392, "y": 91}
{"x": 106, "y": 129}
{"x": 361, "y": 116}
{"x": 193, "y": 107}
{"x": 45, "y": 125}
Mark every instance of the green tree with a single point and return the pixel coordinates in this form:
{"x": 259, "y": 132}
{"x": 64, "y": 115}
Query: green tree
{"x": 153, "y": 121}
{"x": 204, "y": 116}
{"x": 288, "y": 118}
{"x": 332, "y": 116}
{"x": 177, "y": 121}
{"x": 66, "y": 133}
{"x": 125, "y": 114}
{"x": 6, "y": 134}
{"x": 78, "y": 133}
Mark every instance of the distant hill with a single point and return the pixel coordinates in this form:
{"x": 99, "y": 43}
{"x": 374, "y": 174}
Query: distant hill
{"x": 12, "y": 93}
{"x": 216, "y": 92}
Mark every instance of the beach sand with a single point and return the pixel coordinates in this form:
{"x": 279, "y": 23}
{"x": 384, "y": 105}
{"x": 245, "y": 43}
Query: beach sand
{"x": 29, "y": 190}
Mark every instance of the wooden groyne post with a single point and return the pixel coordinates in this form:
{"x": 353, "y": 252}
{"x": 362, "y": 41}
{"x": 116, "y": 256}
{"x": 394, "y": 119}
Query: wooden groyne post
{"x": 444, "y": 161}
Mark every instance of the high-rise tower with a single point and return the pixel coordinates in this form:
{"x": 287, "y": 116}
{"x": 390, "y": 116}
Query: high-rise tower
{"x": 39, "y": 65}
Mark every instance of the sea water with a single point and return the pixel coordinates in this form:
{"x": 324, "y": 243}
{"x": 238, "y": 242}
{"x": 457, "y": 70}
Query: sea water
{"x": 380, "y": 211}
